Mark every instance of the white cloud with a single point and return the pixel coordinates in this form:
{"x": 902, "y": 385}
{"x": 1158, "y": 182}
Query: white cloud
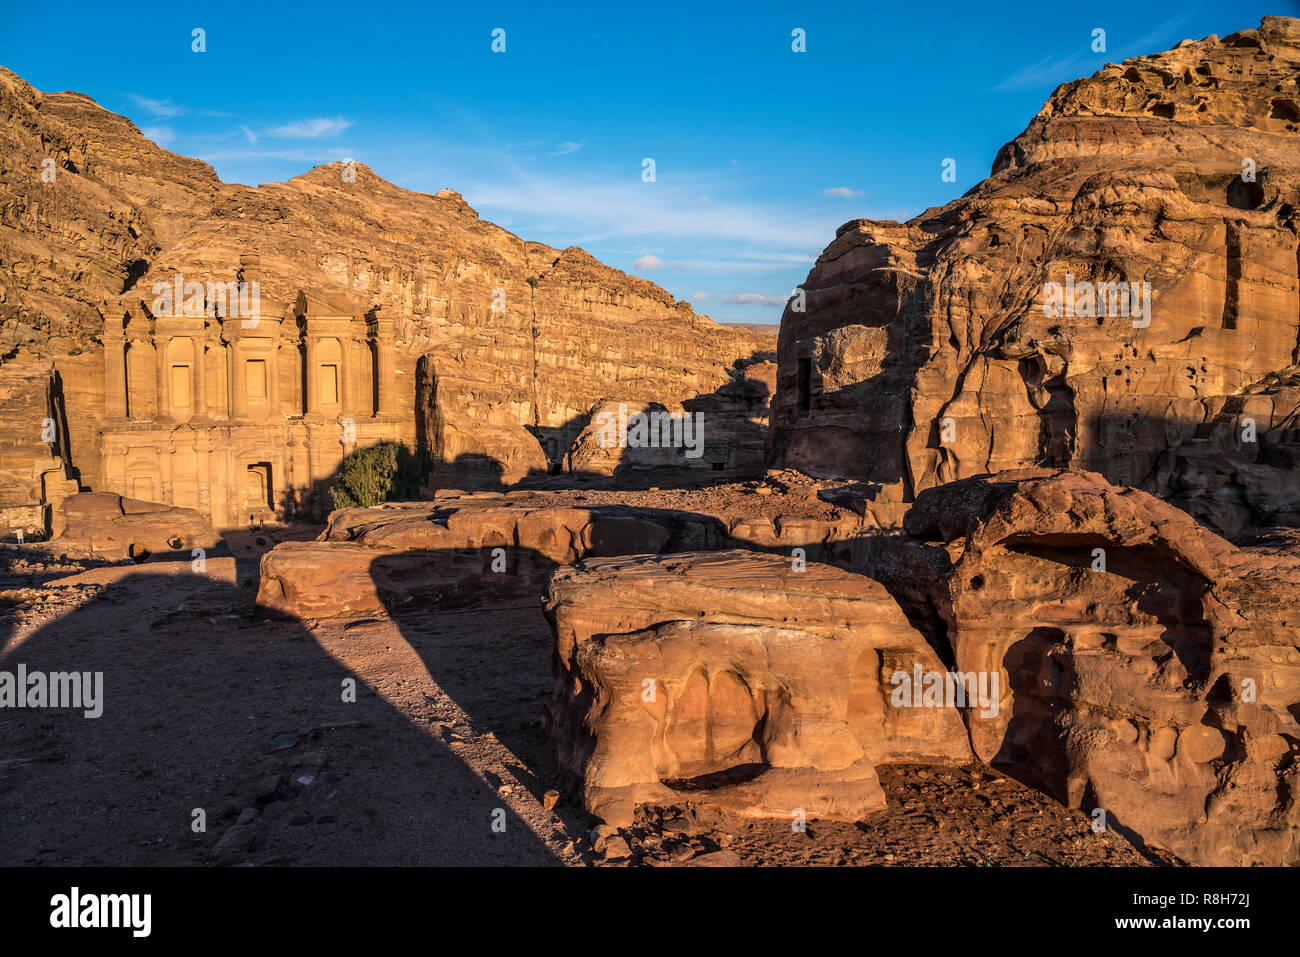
{"x": 163, "y": 109}
{"x": 648, "y": 262}
{"x": 565, "y": 148}
{"x": 1053, "y": 71}
{"x": 312, "y": 129}
{"x": 308, "y": 157}
{"x": 1049, "y": 71}
{"x": 701, "y": 296}
{"x": 162, "y": 135}
{"x": 842, "y": 192}
{"x": 751, "y": 297}
{"x": 249, "y": 135}
{"x": 594, "y": 211}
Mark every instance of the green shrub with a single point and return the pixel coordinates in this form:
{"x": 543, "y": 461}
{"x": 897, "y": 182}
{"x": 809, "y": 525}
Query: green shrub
{"x": 387, "y": 472}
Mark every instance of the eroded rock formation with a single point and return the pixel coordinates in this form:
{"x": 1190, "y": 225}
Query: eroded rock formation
{"x": 738, "y": 679}
{"x": 1241, "y": 466}
{"x": 1137, "y": 663}
{"x": 938, "y": 349}
{"x": 35, "y": 463}
{"x": 104, "y": 525}
{"x": 467, "y": 546}
{"x": 719, "y": 437}
{"x": 1148, "y": 667}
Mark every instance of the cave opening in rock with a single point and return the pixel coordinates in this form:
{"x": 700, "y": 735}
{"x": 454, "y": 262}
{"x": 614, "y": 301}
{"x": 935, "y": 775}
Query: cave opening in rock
{"x": 1246, "y": 195}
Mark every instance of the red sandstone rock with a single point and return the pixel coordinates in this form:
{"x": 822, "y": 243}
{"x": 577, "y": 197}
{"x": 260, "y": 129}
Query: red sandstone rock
{"x": 926, "y": 355}
{"x": 448, "y": 550}
{"x": 1149, "y": 668}
{"x": 385, "y": 315}
{"x": 110, "y": 526}
{"x": 732, "y": 679}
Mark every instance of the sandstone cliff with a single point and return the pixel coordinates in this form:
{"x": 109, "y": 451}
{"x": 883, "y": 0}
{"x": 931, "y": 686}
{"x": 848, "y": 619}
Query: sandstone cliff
{"x": 938, "y": 348}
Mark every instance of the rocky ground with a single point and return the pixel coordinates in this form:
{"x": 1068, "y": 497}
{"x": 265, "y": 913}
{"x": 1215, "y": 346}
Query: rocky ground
{"x": 441, "y": 759}
{"x": 787, "y": 494}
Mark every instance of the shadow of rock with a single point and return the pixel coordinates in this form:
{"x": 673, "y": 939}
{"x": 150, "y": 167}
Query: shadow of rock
{"x": 206, "y": 708}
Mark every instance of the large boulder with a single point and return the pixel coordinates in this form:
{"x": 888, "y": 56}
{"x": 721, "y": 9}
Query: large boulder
{"x": 479, "y": 547}
{"x": 1150, "y": 669}
{"x": 110, "y": 526}
{"x": 735, "y": 679}
{"x": 464, "y": 547}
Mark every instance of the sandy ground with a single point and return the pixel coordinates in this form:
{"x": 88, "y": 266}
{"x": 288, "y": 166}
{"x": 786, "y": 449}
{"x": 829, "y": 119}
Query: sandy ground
{"x": 441, "y": 758}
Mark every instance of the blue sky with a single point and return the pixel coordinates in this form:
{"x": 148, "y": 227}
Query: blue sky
{"x": 760, "y": 152}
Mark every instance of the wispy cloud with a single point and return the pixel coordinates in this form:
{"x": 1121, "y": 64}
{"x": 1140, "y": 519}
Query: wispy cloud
{"x": 842, "y": 192}
{"x": 1053, "y": 70}
{"x": 745, "y": 298}
{"x": 167, "y": 110}
{"x": 249, "y": 135}
{"x": 162, "y": 135}
{"x": 1049, "y": 71}
{"x": 308, "y": 157}
{"x": 311, "y": 129}
{"x": 566, "y": 148}
{"x": 593, "y": 209}
{"x": 163, "y": 109}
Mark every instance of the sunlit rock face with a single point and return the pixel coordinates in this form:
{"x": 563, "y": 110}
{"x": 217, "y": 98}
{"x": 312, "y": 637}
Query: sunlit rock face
{"x": 732, "y": 678}
{"x": 994, "y": 332}
{"x": 1148, "y": 670}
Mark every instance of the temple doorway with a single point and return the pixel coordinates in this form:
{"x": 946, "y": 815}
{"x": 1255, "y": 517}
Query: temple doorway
{"x": 258, "y": 490}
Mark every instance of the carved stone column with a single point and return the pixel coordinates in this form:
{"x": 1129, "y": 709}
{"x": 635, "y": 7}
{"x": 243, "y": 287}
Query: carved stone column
{"x": 239, "y": 379}
{"x": 161, "y": 343}
{"x": 114, "y": 369}
{"x": 199, "y": 401}
{"x": 347, "y": 390}
{"x": 273, "y": 379}
{"x": 313, "y": 376}
{"x": 385, "y": 346}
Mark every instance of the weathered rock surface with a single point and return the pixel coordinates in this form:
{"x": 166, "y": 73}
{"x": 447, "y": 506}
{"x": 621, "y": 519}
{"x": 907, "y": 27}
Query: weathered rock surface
{"x": 35, "y": 472}
{"x": 110, "y": 526}
{"x": 1148, "y": 667}
{"x": 735, "y": 680}
{"x": 1241, "y": 466}
{"x": 714, "y": 438}
{"x": 482, "y": 546}
{"x": 1142, "y": 664}
{"x": 927, "y": 353}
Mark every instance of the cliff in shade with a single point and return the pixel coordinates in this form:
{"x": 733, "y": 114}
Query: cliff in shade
{"x": 496, "y": 349}
{"x": 926, "y": 353}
